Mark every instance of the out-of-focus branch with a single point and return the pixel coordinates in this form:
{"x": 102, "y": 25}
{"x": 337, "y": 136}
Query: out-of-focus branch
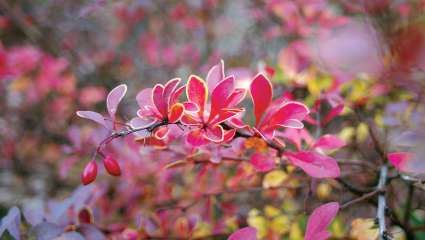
{"x": 18, "y": 17}
{"x": 172, "y": 204}
{"x": 408, "y": 209}
{"x": 380, "y": 215}
{"x": 359, "y": 199}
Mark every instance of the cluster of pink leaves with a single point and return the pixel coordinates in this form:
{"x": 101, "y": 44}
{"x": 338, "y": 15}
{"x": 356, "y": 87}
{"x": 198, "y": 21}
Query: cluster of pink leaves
{"x": 217, "y": 121}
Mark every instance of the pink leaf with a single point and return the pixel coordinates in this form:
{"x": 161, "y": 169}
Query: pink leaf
{"x": 315, "y": 164}
{"x": 262, "y": 93}
{"x": 215, "y": 75}
{"x": 176, "y": 113}
{"x": 190, "y": 107}
{"x": 94, "y": 116}
{"x": 292, "y": 123}
{"x": 329, "y": 142}
{"x": 169, "y": 89}
{"x": 189, "y": 120}
{"x": 214, "y": 133}
{"x": 223, "y": 116}
{"x": 228, "y": 136}
{"x": 333, "y": 113}
{"x": 196, "y": 138}
{"x": 141, "y": 122}
{"x": 262, "y": 162}
{"x": 399, "y": 159}
{"x": 289, "y": 112}
{"x": 161, "y": 132}
{"x": 176, "y": 94}
{"x": 236, "y": 97}
{"x": 246, "y": 233}
{"x": 319, "y": 220}
{"x": 197, "y": 92}
{"x": 114, "y": 98}
{"x": 220, "y": 94}
{"x": 158, "y": 99}
{"x": 144, "y": 98}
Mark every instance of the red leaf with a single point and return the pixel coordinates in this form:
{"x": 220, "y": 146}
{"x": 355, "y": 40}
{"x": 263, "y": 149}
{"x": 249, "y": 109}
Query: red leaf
{"x": 176, "y": 113}
{"x": 220, "y": 94}
{"x": 262, "y": 93}
{"x": 197, "y": 92}
{"x": 158, "y": 99}
{"x": 333, "y": 113}
{"x": 161, "y": 132}
{"x": 169, "y": 89}
{"x": 214, "y": 133}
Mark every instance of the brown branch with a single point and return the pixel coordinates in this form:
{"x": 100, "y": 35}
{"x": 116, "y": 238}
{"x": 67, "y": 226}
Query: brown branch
{"x": 359, "y": 199}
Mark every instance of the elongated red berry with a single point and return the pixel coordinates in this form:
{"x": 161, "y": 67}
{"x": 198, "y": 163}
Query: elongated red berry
{"x": 90, "y": 172}
{"x": 111, "y": 165}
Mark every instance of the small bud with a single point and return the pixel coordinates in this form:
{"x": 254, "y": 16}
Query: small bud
{"x": 111, "y": 165}
{"x": 90, "y": 172}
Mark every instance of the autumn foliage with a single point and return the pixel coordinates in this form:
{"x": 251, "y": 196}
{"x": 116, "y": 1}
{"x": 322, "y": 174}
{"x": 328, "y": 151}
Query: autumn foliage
{"x": 281, "y": 120}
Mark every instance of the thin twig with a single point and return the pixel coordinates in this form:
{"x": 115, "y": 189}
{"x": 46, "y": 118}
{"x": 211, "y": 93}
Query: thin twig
{"x": 359, "y": 199}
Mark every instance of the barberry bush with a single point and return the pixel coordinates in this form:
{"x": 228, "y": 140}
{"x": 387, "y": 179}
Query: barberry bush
{"x": 282, "y": 119}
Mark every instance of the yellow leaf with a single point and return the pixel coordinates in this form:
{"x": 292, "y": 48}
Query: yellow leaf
{"x": 280, "y": 224}
{"x": 379, "y": 120}
{"x": 271, "y": 211}
{"x": 274, "y": 178}
{"x": 202, "y": 229}
{"x": 398, "y": 233}
{"x": 363, "y": 229}
{"x": 337, "y": 228}
{"x": 319, "y": 84}
{"x": 346, "y": 134}
{"x": 231, "y": 223}
{"x": 289, "y": 206}
{"x": 323, "y": 190}
{"x": 260, "y": 223}
{"x": 362, "y": 132}
{"x": 295, "y": 232}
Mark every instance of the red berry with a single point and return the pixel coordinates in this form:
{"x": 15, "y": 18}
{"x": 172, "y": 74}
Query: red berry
{"x": 111, "y": 165}
{"x": 90, "y": 172}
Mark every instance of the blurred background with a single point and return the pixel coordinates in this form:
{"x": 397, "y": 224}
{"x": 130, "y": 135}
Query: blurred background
{"x": 60, "y": 56}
